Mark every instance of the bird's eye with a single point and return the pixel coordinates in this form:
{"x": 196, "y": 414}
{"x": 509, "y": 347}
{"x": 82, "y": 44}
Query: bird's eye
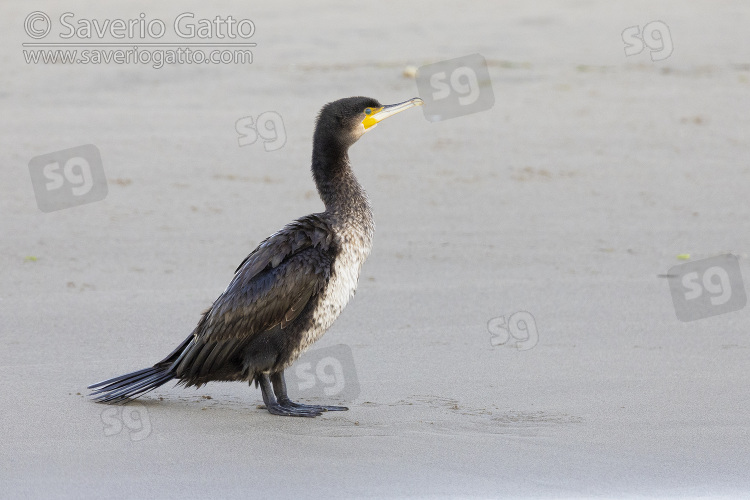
{"x": 368, "y": 111}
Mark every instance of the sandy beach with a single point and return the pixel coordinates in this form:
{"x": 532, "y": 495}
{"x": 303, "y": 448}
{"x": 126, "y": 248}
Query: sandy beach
{"x": 525, "y": 325}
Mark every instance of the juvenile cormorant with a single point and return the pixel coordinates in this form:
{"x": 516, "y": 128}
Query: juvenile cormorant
{"x": 290, "y": 289}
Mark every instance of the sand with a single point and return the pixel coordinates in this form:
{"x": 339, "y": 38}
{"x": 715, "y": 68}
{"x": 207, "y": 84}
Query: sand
{"x": 569, "y": 199}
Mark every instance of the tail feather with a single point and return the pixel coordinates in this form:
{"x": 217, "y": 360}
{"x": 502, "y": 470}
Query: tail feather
{"x": 132, "y": 392}
{"x": 131, "y": 385}
{"x": 121, "y": 379}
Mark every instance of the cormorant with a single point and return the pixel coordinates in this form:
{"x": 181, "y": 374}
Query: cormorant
{"x": 290, "y": 289}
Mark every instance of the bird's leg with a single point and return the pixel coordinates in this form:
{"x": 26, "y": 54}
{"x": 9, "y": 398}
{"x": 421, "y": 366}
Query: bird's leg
{"x": 279, "y": 387}
{"x": 275, "y": 407}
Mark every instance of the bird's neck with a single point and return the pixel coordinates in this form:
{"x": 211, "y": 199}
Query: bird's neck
{"x": 343, "y": 196}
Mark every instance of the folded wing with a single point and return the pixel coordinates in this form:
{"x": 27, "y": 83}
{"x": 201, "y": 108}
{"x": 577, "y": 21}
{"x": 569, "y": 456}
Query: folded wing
{"x": 270, "y": 289}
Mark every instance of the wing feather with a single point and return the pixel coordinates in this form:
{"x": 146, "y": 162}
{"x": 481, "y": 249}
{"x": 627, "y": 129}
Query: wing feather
{"x": 271, "y": 288}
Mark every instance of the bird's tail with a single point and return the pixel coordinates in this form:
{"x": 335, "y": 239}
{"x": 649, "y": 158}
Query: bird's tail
{"x": 130, "y": 386}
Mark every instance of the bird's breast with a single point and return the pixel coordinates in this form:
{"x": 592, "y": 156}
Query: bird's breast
{"x": 353, "y": 248}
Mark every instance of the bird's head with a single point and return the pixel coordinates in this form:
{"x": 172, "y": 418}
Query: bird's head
{"x": 346, "y": 120}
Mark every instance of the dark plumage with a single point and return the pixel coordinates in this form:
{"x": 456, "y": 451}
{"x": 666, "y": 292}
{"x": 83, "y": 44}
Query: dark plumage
{"x": 290, "y": 289}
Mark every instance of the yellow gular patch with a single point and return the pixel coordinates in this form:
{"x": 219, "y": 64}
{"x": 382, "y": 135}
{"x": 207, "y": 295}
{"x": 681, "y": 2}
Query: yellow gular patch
{"x": 369, "y": 120}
